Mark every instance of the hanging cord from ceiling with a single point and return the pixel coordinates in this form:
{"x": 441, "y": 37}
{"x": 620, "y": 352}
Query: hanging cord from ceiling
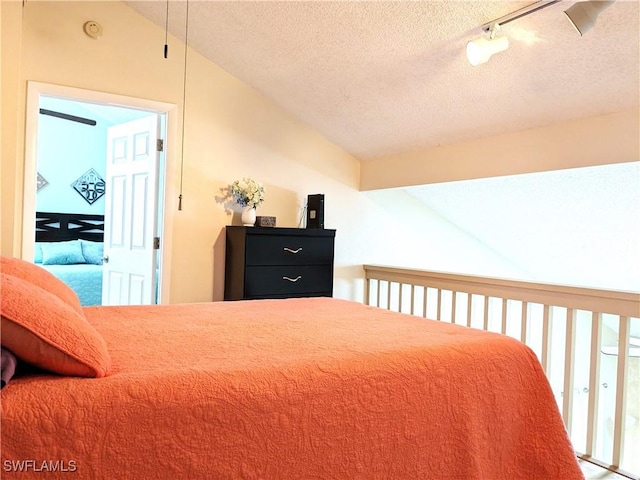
{"x": 184, "y": 102}
{"x": 166, "y": 32}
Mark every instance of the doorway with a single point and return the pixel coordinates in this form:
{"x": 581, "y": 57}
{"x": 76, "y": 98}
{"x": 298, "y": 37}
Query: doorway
{"x": 89, "y": 115}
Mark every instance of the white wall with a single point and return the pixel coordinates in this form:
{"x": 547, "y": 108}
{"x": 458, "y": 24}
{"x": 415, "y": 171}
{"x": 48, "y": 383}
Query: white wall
{"x": 575, "y": 227}
{"x": 390, "y": 227}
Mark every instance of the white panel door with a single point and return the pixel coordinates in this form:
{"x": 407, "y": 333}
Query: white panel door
{"x": 129, "y": 276}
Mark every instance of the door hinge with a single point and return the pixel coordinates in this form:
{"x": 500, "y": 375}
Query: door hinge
{"x": 159, "y": 145}
{"x": 156, "y": 243}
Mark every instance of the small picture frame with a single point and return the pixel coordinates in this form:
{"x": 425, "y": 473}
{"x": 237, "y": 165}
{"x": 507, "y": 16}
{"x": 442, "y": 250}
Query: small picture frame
{"x": 262, "y": 221}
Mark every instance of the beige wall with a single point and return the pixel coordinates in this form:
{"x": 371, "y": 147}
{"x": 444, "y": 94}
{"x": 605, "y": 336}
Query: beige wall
{"x": 606, "y": 139}
{"x": 230, "y": 131}
{"x": 10, "y": 38}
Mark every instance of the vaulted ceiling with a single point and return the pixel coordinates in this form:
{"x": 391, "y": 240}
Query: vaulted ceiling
{"x": 386, "y": 77}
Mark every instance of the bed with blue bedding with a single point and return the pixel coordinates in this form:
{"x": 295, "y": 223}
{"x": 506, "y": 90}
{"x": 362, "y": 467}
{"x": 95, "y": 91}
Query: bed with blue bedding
{"x": 84, "y": 279}
{"x": 70, "y": 246}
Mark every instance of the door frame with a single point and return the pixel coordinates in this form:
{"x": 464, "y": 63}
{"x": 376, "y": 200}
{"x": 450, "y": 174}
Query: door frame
{"x": 165, "y": 196}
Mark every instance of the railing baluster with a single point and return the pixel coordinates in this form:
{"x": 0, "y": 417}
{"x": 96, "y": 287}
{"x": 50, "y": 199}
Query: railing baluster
{"x": 485, "y": 321}
{"x": 424, "y": 302}
{"x": 594, "y": 382}
{"x": 503, "y": 329}
{"x": 469, "y": 305}
{"x": 569, "y": 355}
{"x": 439, "y": 307}
{"x": 523, "y": 322}
{"x": 389, "y": 295}
{"x": 621, "y": 399}
{"x": 453, "y": 306}
{"x": 366, "y": 291}
{"x": 546, "y": 351}
{"x": 400, "y": 284}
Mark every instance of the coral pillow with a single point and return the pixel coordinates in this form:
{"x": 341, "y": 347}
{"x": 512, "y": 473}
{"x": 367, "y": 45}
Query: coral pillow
{"x": 42, "y": 278}
{"x": 41, "y": 329}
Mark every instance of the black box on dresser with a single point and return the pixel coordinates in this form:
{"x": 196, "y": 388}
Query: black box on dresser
{"x": 278, "y": 263}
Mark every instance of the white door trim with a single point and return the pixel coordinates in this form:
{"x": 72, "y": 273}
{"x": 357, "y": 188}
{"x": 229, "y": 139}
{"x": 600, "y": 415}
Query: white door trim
{"x": 167, "y": 200}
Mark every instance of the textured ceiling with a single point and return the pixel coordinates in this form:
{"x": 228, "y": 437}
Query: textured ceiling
{"x": 380, "y": 78}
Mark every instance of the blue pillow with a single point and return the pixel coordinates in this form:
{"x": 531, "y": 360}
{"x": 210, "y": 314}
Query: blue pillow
{"x": 92, "y": 251}
{"x": 62, "y": 253}
{"x": 37, "y": 253}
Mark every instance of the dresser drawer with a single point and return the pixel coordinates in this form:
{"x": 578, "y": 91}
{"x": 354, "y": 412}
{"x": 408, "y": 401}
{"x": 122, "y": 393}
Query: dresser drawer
{"x": 289, "y": 250}
{"x": 276, "y": 281}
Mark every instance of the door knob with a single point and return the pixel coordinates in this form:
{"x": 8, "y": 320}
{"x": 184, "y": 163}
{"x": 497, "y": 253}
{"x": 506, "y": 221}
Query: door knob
{"x": 105, "y": 259}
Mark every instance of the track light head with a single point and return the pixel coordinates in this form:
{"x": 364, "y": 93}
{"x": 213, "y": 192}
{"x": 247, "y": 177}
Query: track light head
{"x": 583, "y": 15}
{"x": 479, "y": 51}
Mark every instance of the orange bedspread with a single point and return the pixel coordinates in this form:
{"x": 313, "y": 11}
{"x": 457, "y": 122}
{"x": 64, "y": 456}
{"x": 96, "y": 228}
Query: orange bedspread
{"x": 290, "y": 389}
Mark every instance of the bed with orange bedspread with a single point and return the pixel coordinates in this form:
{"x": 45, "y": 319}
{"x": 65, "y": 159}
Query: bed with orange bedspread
{"x": 289, "y": 389}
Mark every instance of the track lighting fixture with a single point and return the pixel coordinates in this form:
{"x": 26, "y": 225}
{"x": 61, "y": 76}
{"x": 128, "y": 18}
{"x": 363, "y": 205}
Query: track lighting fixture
{"x": 583, "y": 15}
{"x": 480, "y": 50}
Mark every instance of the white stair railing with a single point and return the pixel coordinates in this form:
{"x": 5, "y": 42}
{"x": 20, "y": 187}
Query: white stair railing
{"x": 576, "y": 333}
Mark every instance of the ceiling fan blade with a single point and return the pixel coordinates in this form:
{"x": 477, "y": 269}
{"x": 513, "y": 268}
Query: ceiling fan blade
{"x": 66, "y": 116}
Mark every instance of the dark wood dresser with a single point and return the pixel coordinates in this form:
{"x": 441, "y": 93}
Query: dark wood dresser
{"x": 266, "y": 262}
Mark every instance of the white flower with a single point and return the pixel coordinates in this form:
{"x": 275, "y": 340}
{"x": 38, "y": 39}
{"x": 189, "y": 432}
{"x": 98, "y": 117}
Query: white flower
{"x": 247, "y": 192}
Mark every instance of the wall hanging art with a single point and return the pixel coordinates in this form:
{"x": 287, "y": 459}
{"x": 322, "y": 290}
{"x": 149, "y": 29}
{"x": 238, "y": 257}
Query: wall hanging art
{"x": 41, "y": 182}
{"x": 90, "y": 186}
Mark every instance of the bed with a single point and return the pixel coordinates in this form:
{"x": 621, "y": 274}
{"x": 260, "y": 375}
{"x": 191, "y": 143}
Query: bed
{"x": 70, "y": 245}
{"x": 307, "y": 388}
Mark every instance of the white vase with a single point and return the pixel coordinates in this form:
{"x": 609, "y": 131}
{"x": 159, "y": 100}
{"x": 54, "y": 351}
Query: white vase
{"x": 248, "y": 216}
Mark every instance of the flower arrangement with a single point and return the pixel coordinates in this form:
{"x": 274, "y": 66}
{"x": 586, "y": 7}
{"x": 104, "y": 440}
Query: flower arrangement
{"x": 247, "y": 192}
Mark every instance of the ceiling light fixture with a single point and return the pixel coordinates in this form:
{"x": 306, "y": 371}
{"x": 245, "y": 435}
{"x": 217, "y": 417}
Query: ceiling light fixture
{"x": 583, "y": 15}
{"x": 479, "y": 51}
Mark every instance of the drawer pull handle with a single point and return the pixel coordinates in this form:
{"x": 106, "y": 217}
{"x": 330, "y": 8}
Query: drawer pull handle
{"x": 287, "y": 249}
{"x": 293, "y": 280}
